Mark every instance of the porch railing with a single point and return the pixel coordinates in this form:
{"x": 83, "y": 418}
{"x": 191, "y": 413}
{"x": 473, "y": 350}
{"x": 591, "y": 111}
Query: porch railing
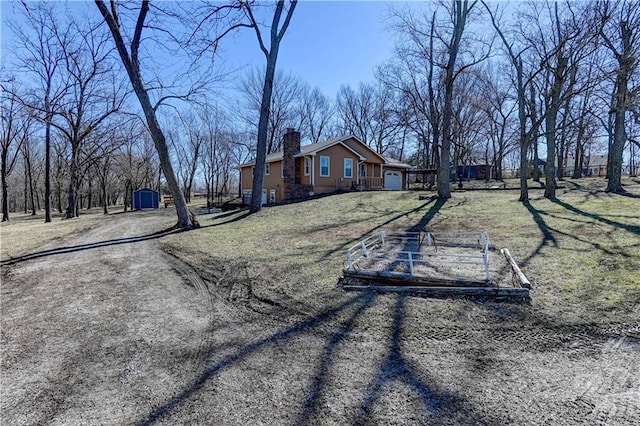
{"x": 371, "y": 182}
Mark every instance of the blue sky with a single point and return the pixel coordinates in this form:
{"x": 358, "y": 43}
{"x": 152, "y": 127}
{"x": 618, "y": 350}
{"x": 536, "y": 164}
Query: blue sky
{"x": 333, "y": 43}
{"x": 328, "y": 44}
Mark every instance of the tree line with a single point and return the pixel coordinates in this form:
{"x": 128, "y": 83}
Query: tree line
{"x": 506, "y": 85}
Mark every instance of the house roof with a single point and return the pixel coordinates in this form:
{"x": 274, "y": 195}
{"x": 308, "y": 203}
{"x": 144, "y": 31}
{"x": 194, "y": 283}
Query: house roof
{"x": 595, "y": 160}
{"x": 314, "y": 148}
{"x": 392, "y": 162}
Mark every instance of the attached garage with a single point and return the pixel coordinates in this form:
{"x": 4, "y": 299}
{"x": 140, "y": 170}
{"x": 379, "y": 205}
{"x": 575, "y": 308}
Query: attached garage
{"x": 393, "y": 180}
{"x": 146, "y": 198}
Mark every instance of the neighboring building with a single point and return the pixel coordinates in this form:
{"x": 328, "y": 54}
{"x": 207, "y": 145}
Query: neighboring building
{"x": 146, "y": 198}
{"x": 593, "y": 165}
{"x": 472, "y": 172}
{"x": 337, "y": 164}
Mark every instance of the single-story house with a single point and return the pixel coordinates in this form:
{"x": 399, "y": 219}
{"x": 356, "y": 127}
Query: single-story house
{"x": 338, "y": 164}
{"x": 593, "y": 165}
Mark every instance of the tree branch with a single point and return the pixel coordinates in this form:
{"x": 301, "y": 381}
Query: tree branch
{"x": 287, "y": 20}
{"x": 137, "y": 35}
{"x": 254, "y": 24}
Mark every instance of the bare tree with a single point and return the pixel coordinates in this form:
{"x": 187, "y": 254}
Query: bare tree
{"x": 40, "y": 56}
{"x": 287, "y": 100}
{"x": 187, "y": 139}
{"x": 415, "y": 74}
{"x": 468, "y": 130}
{"x": 93, "y": 95}
{"x": 498, "y": 109}
{"x": 370, "y": 114}
{"x": 15, "y": 129}
{"x": 29, "y": 158}
{"x": 102, "y": 154}
{"x": 527, "y": 110}
{"x": 560, "y": 53}
{"x": 219, "y": 152}
{"x": 271, "y": 55}
{"x": 459, "y": 14}
{"x": 317, "y": 112}
{"x": 620, "y": 31}
{"x": 136, "y": 161}
{"x": 131, "y": 61}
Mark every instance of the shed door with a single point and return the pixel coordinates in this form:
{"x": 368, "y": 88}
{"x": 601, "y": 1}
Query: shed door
{"x": 146, "y": 199}
{"x": 393, "y": 180}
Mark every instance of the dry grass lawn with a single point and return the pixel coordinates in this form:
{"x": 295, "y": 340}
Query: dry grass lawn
{"x": 243, "y": 321}
{"x": 582, "y": 251}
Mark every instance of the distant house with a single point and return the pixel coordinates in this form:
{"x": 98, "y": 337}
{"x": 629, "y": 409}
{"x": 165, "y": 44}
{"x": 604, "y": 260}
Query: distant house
{"x": 472, "y": 172}
{"x": 593, "y": 165}
{"x": 338, "y": 164}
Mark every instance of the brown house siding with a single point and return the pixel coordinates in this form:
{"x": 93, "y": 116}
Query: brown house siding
{"x": 272, "y": 181}
{"x": 296, "y": 184}
{"x": 336, "y": 178}
{"x": 355, "y": 145}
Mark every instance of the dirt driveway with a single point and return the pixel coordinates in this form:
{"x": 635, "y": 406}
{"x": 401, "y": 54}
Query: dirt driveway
{"x": 112, "y": 329}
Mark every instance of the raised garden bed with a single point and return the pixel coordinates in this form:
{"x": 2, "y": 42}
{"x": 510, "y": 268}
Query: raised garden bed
{"x": 440, "y": 264}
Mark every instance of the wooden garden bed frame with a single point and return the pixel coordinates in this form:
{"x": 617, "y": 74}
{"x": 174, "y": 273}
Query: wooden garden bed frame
{"x": 424, "y": 250}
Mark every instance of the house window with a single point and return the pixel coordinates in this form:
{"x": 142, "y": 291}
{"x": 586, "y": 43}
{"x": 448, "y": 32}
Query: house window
{"x": 363, "y": 170}
{"x": 307, "y": 166}
{"x": 272, "y": 195}
{"x": 267, "y": 169}
{"x": 348, "y": 167}
{"x": 324, "y": 166}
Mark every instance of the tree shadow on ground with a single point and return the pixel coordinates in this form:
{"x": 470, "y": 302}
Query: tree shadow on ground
{"x": 428, "y": 217}
{"x": 317, "y": 389}
{"x": 634, "y": 229}
{"x": 547, "y": 234}
{"x": 239, "y": 215}
{"x": 397, "y": 368}
{"x": 213, "y": 370}
{"x": 98, "y": 244}
{"x": 118, "y": 241}
{"x": 346, "y": 245}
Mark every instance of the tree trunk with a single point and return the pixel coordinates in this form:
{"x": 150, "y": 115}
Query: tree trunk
{"x": 29, "y": 175}
{"x": 47, "y": 166}
{"x": 59, "y": 196}
{"x": 72, "y": 194}
{"x": 89, "y": 193}
{"x": 551, "y": 118}
{"x": 105, "y": 203}
{"x": 621, "y": 104}
{"x": 550, "y": 168}
{"x": 619, "y": 135}
{"x": 131, "y": 64}
{"x": 26, "y": 190}
{"x": 460, "y": 16}
{"x": 5, "y": 187}
{"x": 261, "y": 148}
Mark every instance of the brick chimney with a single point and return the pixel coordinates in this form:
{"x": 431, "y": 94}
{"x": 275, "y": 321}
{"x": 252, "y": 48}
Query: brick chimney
{"x": 291, "y": 146}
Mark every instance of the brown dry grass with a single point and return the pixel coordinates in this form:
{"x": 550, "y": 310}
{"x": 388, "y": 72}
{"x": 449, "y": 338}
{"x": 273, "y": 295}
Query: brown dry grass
{"x": 25, "y": 233}
{"x": 241, "y": 321}
{"x": 581, "y": 252}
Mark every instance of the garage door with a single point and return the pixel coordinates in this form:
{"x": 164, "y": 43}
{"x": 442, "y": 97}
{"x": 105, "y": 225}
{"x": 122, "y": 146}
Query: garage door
{"x": 393, "y": 180}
